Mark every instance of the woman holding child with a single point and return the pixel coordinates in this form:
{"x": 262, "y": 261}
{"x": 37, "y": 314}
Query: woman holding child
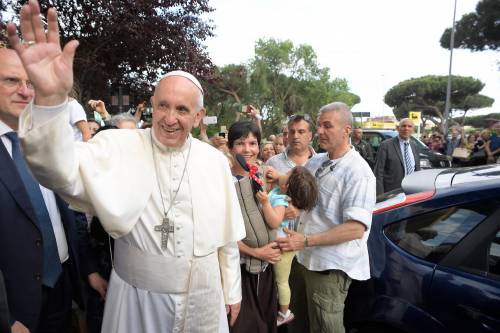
{"x": 263, "y": 214}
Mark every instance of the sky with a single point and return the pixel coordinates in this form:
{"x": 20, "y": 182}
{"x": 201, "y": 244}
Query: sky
{"x": 373, "y": 44}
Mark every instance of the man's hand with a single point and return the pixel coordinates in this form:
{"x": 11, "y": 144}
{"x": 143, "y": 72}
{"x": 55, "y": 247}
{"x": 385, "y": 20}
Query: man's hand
{"x": 294, "y": 242}
{"x": 233, "y": 310}
{"x": 98, "y": 106}
{"x": 270, "y": 253}
{"x": 49, "y": 68}
{"x": 98, "y": 283}
{"x": 17, "y": 327}
{"x": 254, "y": 112}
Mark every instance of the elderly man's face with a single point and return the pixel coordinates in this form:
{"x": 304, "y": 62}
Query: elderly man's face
{"x": 14, "y": 93}
{"x": 176, "y": 110}
{"x": 405, "y": 129}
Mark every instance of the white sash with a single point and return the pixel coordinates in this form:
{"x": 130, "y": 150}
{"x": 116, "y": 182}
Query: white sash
{"x": 199, "y": 277}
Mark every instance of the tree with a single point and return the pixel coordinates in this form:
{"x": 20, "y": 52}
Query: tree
{"x": 287, "y": 79}
{"x": 477, "y": 31}
{"x": 130, "y": 42}
{"x": 428, "y": 94}
{"x": 226, "y": 91}
{"x": 474, "y": 102}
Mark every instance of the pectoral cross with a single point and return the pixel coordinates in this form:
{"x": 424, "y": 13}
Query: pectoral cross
{"x": 165, "y": 228}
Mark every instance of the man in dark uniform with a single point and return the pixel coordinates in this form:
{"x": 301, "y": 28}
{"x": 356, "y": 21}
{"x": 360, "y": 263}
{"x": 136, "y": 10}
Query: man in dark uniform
{"x": 363, "y": 147}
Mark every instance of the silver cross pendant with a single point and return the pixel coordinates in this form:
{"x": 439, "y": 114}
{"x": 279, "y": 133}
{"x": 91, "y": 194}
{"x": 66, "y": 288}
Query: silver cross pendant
{"x": 165, "y": 228}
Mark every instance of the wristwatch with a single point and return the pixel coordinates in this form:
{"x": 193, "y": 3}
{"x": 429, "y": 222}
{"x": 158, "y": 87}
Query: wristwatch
{"x": 306, "y": 241}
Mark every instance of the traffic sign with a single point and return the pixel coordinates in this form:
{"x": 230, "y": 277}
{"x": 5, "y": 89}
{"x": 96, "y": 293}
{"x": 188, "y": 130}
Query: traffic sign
{"x": 415, "y": 117}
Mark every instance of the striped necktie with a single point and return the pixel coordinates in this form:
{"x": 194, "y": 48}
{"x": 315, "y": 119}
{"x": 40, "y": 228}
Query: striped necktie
{"x": 52, "y": 268}
{"x": 408, "y": 164}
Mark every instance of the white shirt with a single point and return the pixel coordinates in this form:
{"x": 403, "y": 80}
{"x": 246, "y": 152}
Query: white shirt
{"x": 347, "y": 192}
{"x": 410, "y": 153}
{"x": 76, "y": 114}
{"x": 48, "y": 198}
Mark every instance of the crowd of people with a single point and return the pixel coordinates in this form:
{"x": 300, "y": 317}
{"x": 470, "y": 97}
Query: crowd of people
{"x": 474, "y": 148}
{"x": 149, "y": 229}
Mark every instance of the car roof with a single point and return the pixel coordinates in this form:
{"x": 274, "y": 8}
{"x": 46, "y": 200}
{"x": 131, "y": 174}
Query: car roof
{"x": 433, "y": 179}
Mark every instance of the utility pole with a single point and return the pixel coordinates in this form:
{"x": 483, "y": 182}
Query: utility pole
{"x": 448, "y": 86}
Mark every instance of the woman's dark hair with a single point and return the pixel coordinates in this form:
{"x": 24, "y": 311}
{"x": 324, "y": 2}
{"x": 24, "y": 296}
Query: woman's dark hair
{"x": 302, "y": 188}
{"x": 242, "y": 129}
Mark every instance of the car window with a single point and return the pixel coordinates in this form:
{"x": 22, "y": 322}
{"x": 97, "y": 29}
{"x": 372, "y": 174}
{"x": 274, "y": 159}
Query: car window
{"x": 373, "y": 139}
{"x": 432, "y": 235}
{"x": 494, "y": 255}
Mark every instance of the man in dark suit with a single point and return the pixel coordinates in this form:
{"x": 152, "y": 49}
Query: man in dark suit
{"x": 396, "y": 158}
{"x": 38, "y": 239}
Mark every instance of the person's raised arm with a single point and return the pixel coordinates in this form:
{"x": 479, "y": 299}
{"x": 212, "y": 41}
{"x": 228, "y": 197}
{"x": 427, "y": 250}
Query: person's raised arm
{"x": 273, "y": 215}
{"x": 99, "y": 107}
{"x": 49, "y": 67}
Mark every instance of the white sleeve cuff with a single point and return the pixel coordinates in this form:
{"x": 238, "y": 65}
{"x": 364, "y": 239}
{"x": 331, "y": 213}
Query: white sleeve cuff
{"x": 42, "y": 114}
{"x": 358, "y": 214}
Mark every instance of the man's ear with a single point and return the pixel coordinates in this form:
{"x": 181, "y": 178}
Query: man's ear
{"x": 199, "y": 116}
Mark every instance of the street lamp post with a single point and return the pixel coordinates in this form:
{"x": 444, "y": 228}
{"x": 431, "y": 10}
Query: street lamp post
{"x": 448, "y": 86}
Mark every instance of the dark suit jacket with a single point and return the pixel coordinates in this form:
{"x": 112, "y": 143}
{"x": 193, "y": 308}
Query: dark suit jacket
{"x": 389, "y": 165}
{"x": 4, "y": 307}
{"x": 21, "y": 248}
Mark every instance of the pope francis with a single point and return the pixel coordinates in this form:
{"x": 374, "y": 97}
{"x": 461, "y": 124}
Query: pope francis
{"x": 167, "y": 198}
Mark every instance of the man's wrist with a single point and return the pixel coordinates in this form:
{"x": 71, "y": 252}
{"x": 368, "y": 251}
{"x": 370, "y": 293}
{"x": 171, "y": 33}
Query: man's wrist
{"x": 52, "y": 100}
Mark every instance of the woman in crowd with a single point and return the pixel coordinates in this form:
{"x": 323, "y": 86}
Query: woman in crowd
{"x": 267, "y": 151}
{"x": 258, "y": 250}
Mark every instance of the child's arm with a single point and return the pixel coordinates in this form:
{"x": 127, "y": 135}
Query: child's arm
{"x": 273, "y": 215}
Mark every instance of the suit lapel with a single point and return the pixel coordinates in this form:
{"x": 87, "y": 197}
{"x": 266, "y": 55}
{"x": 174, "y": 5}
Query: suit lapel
{"x": 415, "y": 151}
{"x": 397, "y": 148}
{"x": 10, "y": 178}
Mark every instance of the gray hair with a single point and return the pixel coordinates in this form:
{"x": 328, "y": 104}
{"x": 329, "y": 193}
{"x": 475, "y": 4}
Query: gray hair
{"x": 121, "y": 117}
{"x": 341, "y": 108}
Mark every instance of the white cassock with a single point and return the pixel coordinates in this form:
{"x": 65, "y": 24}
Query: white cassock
{"x": 182, "y": 288}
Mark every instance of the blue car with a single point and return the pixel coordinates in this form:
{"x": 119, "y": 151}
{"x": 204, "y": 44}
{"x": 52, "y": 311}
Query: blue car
{"x": 434, "y": 256}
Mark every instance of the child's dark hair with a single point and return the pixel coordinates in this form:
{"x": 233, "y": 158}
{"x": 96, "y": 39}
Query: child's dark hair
{"x": 302, "y": 188}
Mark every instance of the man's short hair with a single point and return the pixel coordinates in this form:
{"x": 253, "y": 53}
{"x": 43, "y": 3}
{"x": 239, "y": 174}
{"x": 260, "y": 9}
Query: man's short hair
{"x": 117, "y": 119}
{"x": 341, "y": 108}
{"x": 294, "y": 119}
{"x": 241, "y": 129}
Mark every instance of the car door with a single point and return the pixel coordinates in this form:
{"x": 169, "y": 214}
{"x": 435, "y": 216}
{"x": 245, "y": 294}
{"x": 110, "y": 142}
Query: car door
{"x": 465, "y": 290}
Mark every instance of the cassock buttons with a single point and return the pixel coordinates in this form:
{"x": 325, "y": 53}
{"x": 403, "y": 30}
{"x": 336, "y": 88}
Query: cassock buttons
{"x": 37, "y": 276}
{"x": 38, "y": 243}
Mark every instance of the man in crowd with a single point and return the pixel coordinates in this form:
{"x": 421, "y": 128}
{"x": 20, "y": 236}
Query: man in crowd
{"x": 38, "y": 239}
{"x": 396, "y": 158}
{"x": 299, "y": 134}
{"x": 454, "y": 141}
{"x": 363, "y": 147}
{"x": 333, "y": 247}
{"x": 176, "y": 224}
